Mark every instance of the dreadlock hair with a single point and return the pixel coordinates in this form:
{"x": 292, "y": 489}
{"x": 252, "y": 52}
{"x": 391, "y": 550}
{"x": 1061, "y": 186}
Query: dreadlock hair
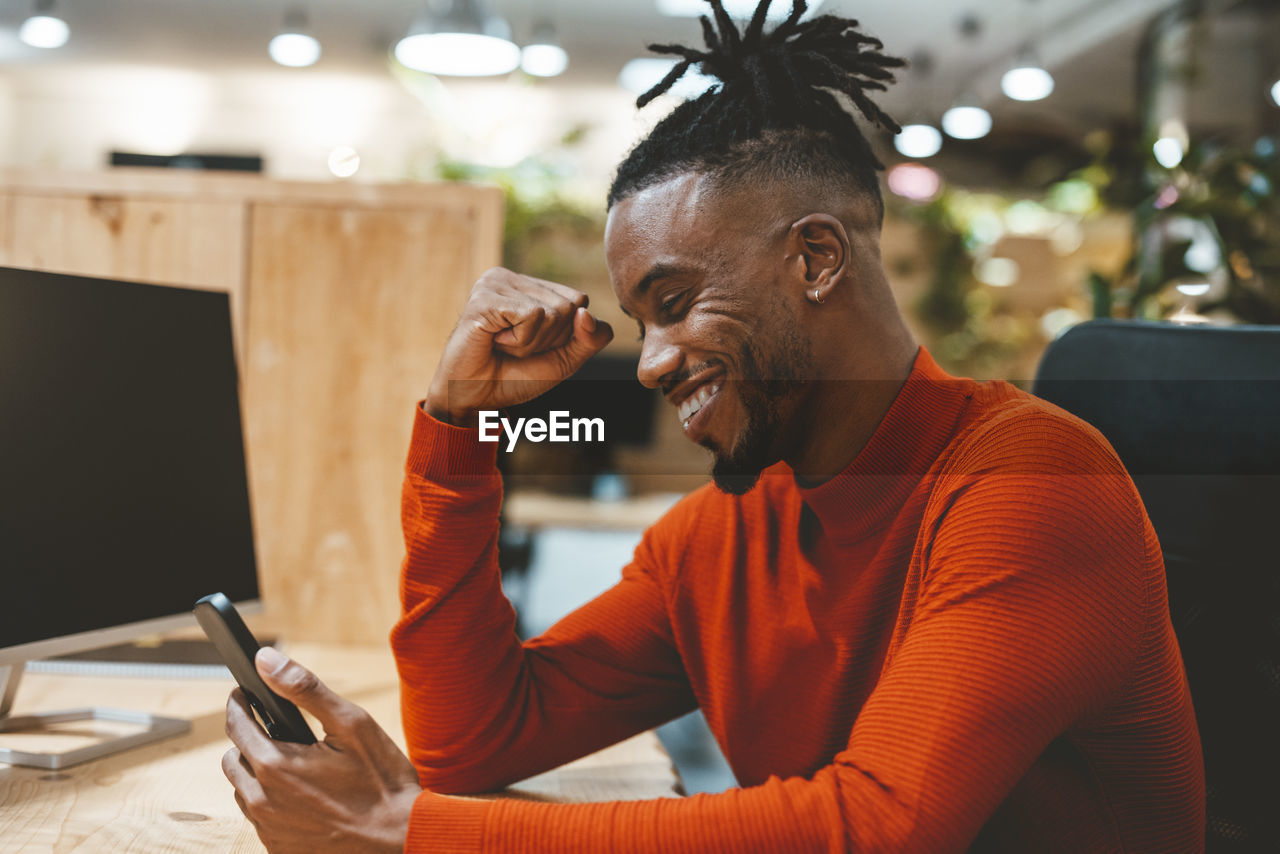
{"x": 776, "y": 113}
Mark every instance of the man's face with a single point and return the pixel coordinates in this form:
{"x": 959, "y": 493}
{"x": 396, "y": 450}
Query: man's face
{"x": 719, "y": 324}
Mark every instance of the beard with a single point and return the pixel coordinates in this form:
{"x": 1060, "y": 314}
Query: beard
{"x": 738, "y": 469}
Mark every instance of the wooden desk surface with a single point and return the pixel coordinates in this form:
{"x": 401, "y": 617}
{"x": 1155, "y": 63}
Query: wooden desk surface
{"x": 171, "y": 796}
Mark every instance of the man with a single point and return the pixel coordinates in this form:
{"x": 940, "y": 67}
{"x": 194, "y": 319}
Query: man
{"x": 919, "y": 613}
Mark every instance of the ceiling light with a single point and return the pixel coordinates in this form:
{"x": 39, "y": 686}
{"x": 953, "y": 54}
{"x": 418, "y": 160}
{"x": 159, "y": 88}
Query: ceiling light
{"x": 544, "y": 57}
{"x": 965, "y": 119}
{"x": 296, "y": 50}
{"x": 1027, "y": 80}
{"x": 640, "y": 75}
{"x": 1168, "y": 151}
{"x": 544, "y": 60}
{"x": 918, "y": 140}
{"x": 44, "y": 29}
{"x": 1027, "y": 83}
{"x": 966, "y": 122}
{"x": 1275, "y": 92}
{"x": 464, "y": 40}
{"x": 344, "y": 161}
{"x": 741, "y": 9}
{"x": 293, "y": 46}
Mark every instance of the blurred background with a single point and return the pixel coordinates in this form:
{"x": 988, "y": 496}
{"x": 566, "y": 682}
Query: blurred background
{"x": 1141, "y": 170}
{"x": 1060, "y": 161}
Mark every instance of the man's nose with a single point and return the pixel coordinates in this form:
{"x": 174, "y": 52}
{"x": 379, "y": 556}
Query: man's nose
{"x": 660, "y": 358}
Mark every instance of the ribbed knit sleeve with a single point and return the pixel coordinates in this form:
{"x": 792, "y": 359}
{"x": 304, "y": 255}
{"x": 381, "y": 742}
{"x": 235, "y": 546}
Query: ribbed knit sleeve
{"x": 481, "y": 709}
{"x": 1025, "y": 618}
{"x": 1028, "y": 619}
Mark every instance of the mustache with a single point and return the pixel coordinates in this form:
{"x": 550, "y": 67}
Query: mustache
{"x": 674, "y": 380}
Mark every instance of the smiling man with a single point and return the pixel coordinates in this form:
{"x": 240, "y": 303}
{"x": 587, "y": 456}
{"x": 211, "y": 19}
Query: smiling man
{"x": 920, "y": 613}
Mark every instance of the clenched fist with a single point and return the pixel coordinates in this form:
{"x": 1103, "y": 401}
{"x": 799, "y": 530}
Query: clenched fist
{"x": 518, "y": 337}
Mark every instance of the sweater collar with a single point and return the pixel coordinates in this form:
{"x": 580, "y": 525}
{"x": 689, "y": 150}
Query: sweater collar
{"x": 920, "y": 423}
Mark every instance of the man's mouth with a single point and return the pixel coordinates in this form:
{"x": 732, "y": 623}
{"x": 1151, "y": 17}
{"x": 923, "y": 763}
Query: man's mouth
{"x": 695, "y": 403}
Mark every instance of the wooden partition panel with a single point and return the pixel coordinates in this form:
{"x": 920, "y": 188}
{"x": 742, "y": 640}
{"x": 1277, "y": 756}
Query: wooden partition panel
{"x": 342, "y": 295}
{"x": 344, "y": 341}
{"x": 186, "y": 242}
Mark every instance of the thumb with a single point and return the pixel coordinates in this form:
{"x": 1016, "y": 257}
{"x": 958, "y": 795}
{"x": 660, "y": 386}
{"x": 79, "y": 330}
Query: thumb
{"x": 590, "y": 335}
{"x": 298, "y": 684}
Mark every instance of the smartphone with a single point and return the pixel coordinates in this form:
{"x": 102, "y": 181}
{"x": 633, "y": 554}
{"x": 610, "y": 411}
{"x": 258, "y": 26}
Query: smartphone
{"x": 237, "y": 646}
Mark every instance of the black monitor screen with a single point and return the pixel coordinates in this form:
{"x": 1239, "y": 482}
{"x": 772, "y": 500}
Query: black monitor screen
{"x": 123, "y": 494}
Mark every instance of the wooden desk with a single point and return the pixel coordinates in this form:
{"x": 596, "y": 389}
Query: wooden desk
{"x": 171, "y": 796}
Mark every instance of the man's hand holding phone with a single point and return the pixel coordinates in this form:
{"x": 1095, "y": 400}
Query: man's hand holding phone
{"x": 518, "y": 337}
{"x": 352, "y": 792}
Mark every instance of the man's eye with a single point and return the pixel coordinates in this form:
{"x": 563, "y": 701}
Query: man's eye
{"x": 669, "y": 304}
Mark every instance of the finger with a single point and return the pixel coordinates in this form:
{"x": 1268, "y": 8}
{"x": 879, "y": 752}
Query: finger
{"x": 295, "y": 682}
{"x": 502, "y": 279}
{"x": 244, "y": 808}
{"x": 557, "y": 338}
{"x": 497, "y": 278}
{"x": 590, "y": 336}
{"x": 557, "y": 328}
{"x": 242, "y": 780}
{"x": 240, "y": 757}
{"x": 517, "y": 320}
{"x": 500, "y": 306}
{"x": 519, "y": 338}
{"x": 538, "y": 314}
{"x": 573, "y": 296}
{"x": 245, "y": 732}
{"x": 502, "y": 299}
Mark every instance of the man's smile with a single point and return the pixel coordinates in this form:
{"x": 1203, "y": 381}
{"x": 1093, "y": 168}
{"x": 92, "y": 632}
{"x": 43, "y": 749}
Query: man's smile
{"x": 695, "y": 413}
{"x": 694, "y": 398}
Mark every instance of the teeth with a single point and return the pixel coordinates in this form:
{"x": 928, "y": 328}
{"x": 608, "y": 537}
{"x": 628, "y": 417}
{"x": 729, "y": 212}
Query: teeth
{"x": 696, "y": 401}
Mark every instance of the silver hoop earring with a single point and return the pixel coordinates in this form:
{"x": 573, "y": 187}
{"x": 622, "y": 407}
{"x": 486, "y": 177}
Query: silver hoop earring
{"x": 816, "y": 298}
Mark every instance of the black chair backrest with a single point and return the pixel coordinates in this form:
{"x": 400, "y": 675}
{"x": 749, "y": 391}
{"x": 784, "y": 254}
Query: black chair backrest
{"x": 1194, "y": 414}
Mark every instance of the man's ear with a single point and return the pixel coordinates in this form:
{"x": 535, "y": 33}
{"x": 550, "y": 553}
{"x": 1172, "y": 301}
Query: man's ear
{"x": 821, "y": 252}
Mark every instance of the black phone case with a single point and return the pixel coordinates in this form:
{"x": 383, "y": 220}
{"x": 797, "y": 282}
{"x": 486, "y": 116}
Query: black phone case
{"x": 237, "y": 646}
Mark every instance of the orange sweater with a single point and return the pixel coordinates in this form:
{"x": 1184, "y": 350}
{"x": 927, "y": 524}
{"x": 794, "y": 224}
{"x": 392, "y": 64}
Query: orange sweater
{"x": 961, "y": 640}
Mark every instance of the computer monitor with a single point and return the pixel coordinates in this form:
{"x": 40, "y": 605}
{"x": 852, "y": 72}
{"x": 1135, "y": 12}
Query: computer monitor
{"x": 123, "y": 492}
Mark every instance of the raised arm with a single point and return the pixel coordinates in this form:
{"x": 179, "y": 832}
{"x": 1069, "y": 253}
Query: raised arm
{"x": 481, "y": 709}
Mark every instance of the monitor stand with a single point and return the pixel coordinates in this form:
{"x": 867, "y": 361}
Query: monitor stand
{"x": 154, "y": 728}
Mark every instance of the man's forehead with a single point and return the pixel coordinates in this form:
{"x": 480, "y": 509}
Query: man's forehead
{"x": 661, "y": 224}
{"x": 656, "y": 211}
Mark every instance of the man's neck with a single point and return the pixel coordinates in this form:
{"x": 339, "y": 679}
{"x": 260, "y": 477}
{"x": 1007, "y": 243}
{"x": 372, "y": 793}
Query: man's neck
{"x": 841, "y": 415}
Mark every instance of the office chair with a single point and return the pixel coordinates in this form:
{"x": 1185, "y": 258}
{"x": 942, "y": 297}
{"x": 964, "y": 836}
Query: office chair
{"x": 1194, "y": 414}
